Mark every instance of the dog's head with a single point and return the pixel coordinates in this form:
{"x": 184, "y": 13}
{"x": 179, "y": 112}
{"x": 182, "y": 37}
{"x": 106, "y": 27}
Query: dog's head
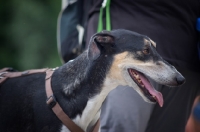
{"x": 134, "y": 60}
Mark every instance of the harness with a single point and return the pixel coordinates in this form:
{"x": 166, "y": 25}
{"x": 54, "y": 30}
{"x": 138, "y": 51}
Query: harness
{"x": 6, "y": 73}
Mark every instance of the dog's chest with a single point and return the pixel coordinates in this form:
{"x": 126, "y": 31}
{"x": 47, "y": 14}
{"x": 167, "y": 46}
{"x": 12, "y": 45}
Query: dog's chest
{"x": 88, "y": 128}
{"x": 89, "y": 116}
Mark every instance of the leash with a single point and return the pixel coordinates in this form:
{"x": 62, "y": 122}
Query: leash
{"x": 106, "y": 5}
{"x": 51, "y": 100}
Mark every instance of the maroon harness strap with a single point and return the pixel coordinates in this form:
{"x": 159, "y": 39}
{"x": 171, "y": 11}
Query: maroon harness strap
{"x": 4, "y": 74}
{"x": 96, "y": 126}
{"x": 59, "y": 111}
{"x": 56, "y": 107}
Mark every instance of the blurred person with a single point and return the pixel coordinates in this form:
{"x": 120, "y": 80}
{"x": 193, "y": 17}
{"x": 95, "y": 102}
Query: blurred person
{"x": 171, "y": 24}
{"x": 193, "y": 124}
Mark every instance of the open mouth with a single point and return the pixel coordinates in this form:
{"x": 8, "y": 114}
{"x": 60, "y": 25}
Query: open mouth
{"x": 146, "y": 87}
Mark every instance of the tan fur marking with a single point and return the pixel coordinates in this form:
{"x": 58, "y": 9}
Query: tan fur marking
{"x": 146, "y": 42}
{"x": 121, "y": 60}
{"x": 115, "y": 70}
{"x": 151, "y": 41}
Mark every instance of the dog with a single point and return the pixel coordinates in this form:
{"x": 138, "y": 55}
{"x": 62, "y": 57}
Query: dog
{"x": 117, "y": 57}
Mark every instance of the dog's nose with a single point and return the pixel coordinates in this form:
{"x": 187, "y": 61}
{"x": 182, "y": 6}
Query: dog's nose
{"x": 180, "y": 79}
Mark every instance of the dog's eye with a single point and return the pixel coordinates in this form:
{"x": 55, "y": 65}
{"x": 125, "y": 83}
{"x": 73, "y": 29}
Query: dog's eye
{"x": 146, "y": 51}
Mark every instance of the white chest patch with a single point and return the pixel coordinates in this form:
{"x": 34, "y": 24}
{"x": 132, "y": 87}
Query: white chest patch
{"x": 89, "y": 116}
{"x": 92, "y": 110}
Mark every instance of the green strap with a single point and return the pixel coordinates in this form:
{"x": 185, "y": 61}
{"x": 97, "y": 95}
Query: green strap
{"x": 108, "y": 22}
{"x": 100, "y": 24}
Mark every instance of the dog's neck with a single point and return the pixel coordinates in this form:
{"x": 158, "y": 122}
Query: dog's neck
{"x": 82, "y": 91}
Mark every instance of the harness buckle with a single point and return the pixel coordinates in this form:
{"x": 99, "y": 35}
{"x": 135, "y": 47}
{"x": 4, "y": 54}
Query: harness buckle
{"x": 51, "y": 101}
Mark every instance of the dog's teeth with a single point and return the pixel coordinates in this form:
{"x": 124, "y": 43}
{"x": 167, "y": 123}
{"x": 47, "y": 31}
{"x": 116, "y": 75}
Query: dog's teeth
{"x": 137, "y": 76}
{"x": 154, "y": 96}
{"x": 142, "y": 85}
{"x": 132, "y": 72}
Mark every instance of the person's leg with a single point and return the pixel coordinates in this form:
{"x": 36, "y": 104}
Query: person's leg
{"x": 124, "y": 110}
{"x": 178, "y": 102}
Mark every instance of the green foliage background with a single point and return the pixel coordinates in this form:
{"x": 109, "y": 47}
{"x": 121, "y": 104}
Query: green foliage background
{"x": 28, "y": 34}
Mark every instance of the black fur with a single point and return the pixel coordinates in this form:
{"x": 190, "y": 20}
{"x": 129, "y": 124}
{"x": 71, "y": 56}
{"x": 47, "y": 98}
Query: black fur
{"x": 23, "y": 100}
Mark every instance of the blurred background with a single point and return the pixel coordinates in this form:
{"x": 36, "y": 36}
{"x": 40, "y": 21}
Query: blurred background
{"x": 28, "y": 34}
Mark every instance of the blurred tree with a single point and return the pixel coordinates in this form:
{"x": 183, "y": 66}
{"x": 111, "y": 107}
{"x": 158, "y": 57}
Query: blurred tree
{"x": 28, "y": 34}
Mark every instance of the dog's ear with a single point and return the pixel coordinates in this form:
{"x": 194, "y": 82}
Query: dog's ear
{"x": 98, "y": 43}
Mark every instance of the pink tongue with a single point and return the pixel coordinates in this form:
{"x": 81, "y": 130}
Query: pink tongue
{"x": 151, "y": 89}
